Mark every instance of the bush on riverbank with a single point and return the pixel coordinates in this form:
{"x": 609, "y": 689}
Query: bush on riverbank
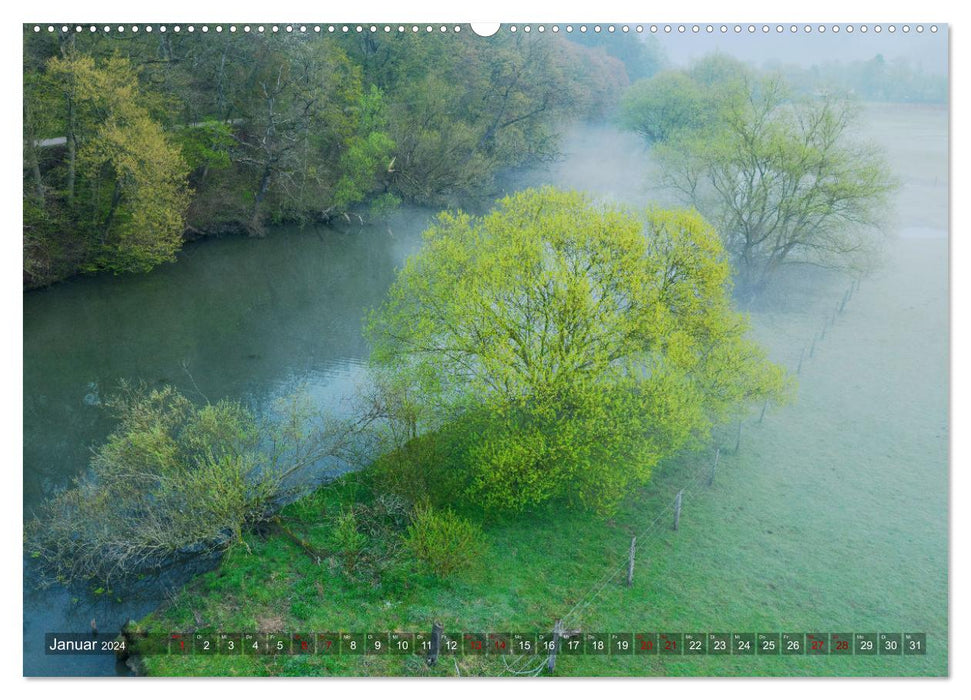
{"x": 174, "y": 480}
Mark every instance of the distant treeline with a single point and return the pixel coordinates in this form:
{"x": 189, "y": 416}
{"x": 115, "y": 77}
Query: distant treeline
{"x": 875, "y": 80}
{"x": 132, "y": 142}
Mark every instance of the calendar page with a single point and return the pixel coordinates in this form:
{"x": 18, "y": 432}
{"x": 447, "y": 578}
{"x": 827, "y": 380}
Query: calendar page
{"x": 556, "y": 349}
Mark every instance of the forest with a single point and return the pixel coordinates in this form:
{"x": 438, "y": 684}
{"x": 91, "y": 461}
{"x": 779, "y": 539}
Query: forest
{"x": 135, "y": 143}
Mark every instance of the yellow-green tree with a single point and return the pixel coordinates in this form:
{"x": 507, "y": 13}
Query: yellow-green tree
{"x": 176, "y": 480}
{"x": 558, "y": 349}
{"x": 124, "y": 188}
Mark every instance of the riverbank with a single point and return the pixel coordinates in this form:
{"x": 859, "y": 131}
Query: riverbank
{"x": 250, "y": 319}
{"x": 828, "y": 519}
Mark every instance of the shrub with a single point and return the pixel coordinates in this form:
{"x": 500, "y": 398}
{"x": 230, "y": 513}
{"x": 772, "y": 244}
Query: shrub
{"x": 346, "y": 537}
{"x": 422, "y": 470}
{"x": 388, "y": 513}
{"x": 443, "y": 540}
{"x": 174, "y": 480}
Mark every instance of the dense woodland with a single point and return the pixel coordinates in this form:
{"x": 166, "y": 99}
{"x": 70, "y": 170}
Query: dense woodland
{"x": 133, "y": 143}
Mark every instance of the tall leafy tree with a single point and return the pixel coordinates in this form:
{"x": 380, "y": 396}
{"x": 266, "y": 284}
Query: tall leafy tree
{"x": 461, "y": 107}
{"x": 558, "y": 349}
{"x": 120, "y": 187}
{"x": 657, "y": 108}
{"x": 642, "y": 55}
{"x": 681, "y": 101}
{"x": 782, "y": 182}
{"x": 308, "y": 139}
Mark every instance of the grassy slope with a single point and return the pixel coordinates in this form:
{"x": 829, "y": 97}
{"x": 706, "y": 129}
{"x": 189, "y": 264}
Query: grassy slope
{"x": 832, "y": 517}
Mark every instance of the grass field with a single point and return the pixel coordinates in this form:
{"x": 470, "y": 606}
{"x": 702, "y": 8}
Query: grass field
{"x": 832, "y": 517}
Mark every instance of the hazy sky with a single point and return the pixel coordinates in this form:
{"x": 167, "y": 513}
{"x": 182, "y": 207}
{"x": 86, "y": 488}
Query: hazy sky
{"x": 928, "y": 50}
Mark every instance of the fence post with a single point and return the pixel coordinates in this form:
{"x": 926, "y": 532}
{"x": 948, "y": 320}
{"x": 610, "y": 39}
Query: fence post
{"x": 436, "y": 643}
{"x": 557, "y": 631}
{"x": 738, "y": 436}
{"x": 630, "y": 562}
{"x": 714, "y": 466}
{"x": 802, "y": 354}
{"x": 677, "y": 509}
{"x": 843, "y": 303}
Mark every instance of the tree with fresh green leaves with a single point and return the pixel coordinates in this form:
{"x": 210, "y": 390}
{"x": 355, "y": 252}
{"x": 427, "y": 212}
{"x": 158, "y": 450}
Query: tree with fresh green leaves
{"x": 206, "y": 147}
{"x": 558, "y": 350}
{"x": 783, "y": 182}
{"x": 309, "y": 137}
{"x": 462, "y": 107}
{"x": 121, "y": 187}
{"x": 721, "y": 73}
{"x": 175, "y": 480}
{"x": 681, "y": 101}
{"x": 658, "y": 107}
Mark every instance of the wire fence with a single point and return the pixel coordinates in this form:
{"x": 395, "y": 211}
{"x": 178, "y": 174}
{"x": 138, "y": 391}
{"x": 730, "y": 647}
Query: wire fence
{"x": 532, "y": 664}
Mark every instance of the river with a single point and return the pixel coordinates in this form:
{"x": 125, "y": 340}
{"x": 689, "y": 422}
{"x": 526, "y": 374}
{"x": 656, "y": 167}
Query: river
{"x": 244, "y": 318}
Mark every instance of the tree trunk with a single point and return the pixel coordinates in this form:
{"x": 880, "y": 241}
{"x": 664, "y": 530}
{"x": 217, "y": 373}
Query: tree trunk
{"x": 38, "y": 181}
{"x": 67, "y": 48}
{"x": 30, "y": 151}
{"x": 115, "y": 201}
{"x": 71, "y": 150}
{"x": 255, "y": 223}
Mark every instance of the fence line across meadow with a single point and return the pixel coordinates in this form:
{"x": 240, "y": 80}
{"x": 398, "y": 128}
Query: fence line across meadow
{"x": 533, "y": 664}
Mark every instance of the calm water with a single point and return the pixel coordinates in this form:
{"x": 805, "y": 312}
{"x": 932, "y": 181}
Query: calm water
{"x": 237, "y": 317}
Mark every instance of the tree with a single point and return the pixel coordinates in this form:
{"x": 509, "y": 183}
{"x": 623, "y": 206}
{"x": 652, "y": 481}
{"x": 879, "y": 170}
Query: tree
{"x": 642, "y": 56}
{"x": 558, "y": 350}
{"x": 683, "y": 101}
{"x": 782, "y": 182}
{"x": 720, "y": 73}
{"x": 121, "y": 189}
{"x": 175, "y": 480}
{"x": 172, "y": 475}
{"x": 656, "y": 108}
{"x": 461, "y": 108}
{"x": 301, "y": 102}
